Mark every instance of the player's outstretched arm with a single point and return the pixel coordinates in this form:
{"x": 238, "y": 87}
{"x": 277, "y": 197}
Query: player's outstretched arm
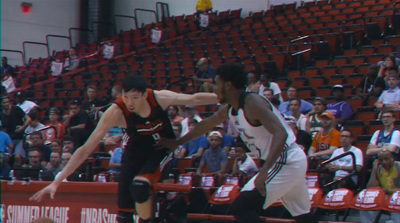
{"x": 112, "y": 117}
{"x": 167, "y": 98}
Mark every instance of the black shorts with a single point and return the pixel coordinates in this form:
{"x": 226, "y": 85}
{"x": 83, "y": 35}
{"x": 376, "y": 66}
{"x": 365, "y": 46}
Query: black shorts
{"x": 154, "y": 168}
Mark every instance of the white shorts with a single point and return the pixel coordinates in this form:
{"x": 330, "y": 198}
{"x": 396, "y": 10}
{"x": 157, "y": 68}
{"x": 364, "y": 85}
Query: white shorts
{"x": 287, "y": 180}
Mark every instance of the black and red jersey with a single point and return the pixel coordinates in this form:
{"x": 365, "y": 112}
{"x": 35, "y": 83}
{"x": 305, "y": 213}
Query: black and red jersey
{"x": 143, "y": 133}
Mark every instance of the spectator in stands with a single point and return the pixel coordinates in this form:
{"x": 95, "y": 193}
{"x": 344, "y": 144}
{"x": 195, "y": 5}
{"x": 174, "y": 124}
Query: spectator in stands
{"x": 35, "y": 124}
{"x": 215, "y": 157}
{"x": 177, "y": 127}
{"x": 303, "y": 138}
{"x": 65, "y": 157}
{"x": 195, "y": 148}
{"x": 227, "y": 140}
{"x": 37, "y": 141}
{"x": 56, "y": 146}
{"x": 371, "y": 86}
{"x": 34, "y": 159}
{"x": 326, "y": 140}
{"x": 5, "y": 67}
{"x": 253, "y": 82}
{"x": 54, "y": 120}
{"x": 313, "y": 123}
{"x": 93, "y": 103}
{"x": 115, "y": 160}
{"x": 294, "y": 107}
{"x": 268, "y": 93}
{"x": 204, "y": 77}
{"x": 388, "y": 64}
{"x": 339, "y": 107}
{"x": 116, "y": 92}
{"x": 243, "y": 165}
{"x": 390, "y": 99}
{"x": 4, "y": 167}
{"x": 204, "y": 6}
{"x": 305, "y": 106}
{"x": 26, "y": 105}
{"x": 266, "y": 83}
{"x": 387, "y": 138}
{"x": 190, "y": 113}
{"x": 69, "y": 144}
{"x": 384, "y": 174}
{"x": 173, "y": 113}
{"x": 78, "y": 123}
{"x": 341, "y": 167}
{"x": 72, "y": 61}
{"x": 54, "y": 166}
{"x": 14, "y": 122}
{"x": 6, "y": 145}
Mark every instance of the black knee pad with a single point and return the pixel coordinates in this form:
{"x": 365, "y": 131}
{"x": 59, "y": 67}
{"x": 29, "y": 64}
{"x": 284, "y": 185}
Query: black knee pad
{"x": 125, "y": 217}
{"x": 140, "y": 190}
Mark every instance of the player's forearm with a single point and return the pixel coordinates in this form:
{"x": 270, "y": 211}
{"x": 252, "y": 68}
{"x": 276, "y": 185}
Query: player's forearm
{"x": 205, "y": 99}
{"x": 200, "y": 129}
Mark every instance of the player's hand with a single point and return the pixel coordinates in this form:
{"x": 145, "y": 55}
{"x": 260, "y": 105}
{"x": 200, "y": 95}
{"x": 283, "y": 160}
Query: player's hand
{"x": 50, "y": 189}
{"x": 260, "y": 185}
{"x": 169, "y": 144}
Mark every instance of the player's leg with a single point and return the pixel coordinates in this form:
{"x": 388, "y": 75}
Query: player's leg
{"x": 247, "y": 206}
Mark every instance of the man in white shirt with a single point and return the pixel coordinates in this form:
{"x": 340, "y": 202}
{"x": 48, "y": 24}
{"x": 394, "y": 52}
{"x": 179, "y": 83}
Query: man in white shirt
{"x": 190, "y": 113}
{"x": 344, "y": 165}
{"x": 266, "y": 83}
{"x": 390, "y": 98}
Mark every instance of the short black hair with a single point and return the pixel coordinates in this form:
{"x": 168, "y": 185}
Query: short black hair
{"x": 243, "y": 145}
{"x": 347, "y": 130}
{"x": 234, "y": 73}
{"x": 134, "y": 82}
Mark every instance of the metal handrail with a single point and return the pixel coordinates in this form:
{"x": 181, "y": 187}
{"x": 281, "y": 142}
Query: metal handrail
{"x": 144, "y": 10}
{"x": 56, "y": 36}
{"x": 162, "y": 5}
{"x": 125, "y": 16}
{"x": 36, "y": 43}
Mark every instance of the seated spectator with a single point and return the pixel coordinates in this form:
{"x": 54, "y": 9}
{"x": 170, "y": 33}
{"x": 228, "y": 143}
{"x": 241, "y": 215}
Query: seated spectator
{"x": 371, "y": 86}
{"x": 65, "y": 157}
{"x": 4, "y": 167}
{"x": 326, "y": 140}
{"x": 56, "y": 146}
{"x": 6, "y": 145}
{"x": 305, "y": 106}
{"x": 243, "y": 165}
{"x": 69, "y": 144}
{"x": 227, "y": 140}
{"x": 54, "y": 120}
{"x": 34, "y": 159}
{"x": 173, "y": 113}
{"x": 268, "y": 93}
{"x": 384, "y": 174}
{"x": 339, "y": 108}
{"x": 93, "y": 103}
{"x": 195, "y": 148}
{"x": 215, "y": 157}
{"x": 72, "y": 61}
{"x": 204, "y": 77}
{"x": 341, "y": 167}
{"x": 78, "y": 123}
{"x": 54, "y": 166}
{"x": 26, "y": 105}
{"x": 37, "y": 142}
{"x": 14, "y": 122}
{"x": 294, "y": 107}
{"x": 253, "y": 84}
{"x": 204, "y": 6}
{"x": 388, "y": 64}
{"x": 5, "y": 67}
{"x": 313, "y": 122}
{"x": 390, "y": 99}
{"x": 387, "y": 138}
{"x": 266, "y": 83}
{"x": 35, "y": 124}
{"x": 190, "y": 113}
{"x": 177, "y": 127}
{"x": 303, "y": 138}
{"x": 115, "y": 160}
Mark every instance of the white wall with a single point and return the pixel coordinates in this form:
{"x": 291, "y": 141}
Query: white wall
{"x": 46, "y": 17}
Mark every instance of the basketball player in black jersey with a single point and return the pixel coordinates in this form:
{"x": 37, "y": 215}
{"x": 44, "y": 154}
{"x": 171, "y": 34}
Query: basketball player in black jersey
{"x": 141, "y": 112}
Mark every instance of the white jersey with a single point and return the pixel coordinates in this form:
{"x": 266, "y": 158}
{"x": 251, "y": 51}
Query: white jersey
{"x": 257, "y": 138}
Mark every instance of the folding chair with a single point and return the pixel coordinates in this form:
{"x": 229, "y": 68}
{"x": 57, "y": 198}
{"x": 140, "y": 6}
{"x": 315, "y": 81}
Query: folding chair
{"x": 370, "y": 199}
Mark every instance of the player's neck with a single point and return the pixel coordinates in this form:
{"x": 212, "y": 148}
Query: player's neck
{"x": 144, "y": 111}
{"x": 233, "y": 98}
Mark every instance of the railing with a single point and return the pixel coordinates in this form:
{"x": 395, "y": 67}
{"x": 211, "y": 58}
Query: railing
{"x": 27, "y": 54}
{"x": 147, "y": 11}
{"x": 11, "y": 59}
{"x": 162, "y": 9}
{"x": 125, "y": 17}
{"x": 51, "y": 49}
{"x": 88, "y": 38}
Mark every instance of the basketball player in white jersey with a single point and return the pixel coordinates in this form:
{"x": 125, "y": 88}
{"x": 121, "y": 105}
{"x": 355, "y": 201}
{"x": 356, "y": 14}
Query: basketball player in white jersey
{"x": 264, "y": 130}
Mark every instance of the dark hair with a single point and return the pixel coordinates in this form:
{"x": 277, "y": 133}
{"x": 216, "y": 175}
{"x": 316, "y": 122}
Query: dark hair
{"x": 347, "y": 130}
{"x": 233, "y": 73}
{"x": 134, "y": 82}
{"x": 75, "y": 102}
{"x": 293, "y": 86}
{"x": 276, "y": 102}
{"x": 389, "y": 111}
{"x": 243, "y": 145}
{"x": 57, "y": 141}
{"x": 92, "y": 86}
{"x": 295, "y": 99}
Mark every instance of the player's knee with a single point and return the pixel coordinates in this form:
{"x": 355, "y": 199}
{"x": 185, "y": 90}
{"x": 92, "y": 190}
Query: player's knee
{"x": 125, "y": 217}
{"x": 140, "y": 191}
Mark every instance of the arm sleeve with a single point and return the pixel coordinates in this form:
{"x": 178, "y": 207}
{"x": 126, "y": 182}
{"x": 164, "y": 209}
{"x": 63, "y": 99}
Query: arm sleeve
{"x": 395, "y": 138}
{"x": 374, "y": 138}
